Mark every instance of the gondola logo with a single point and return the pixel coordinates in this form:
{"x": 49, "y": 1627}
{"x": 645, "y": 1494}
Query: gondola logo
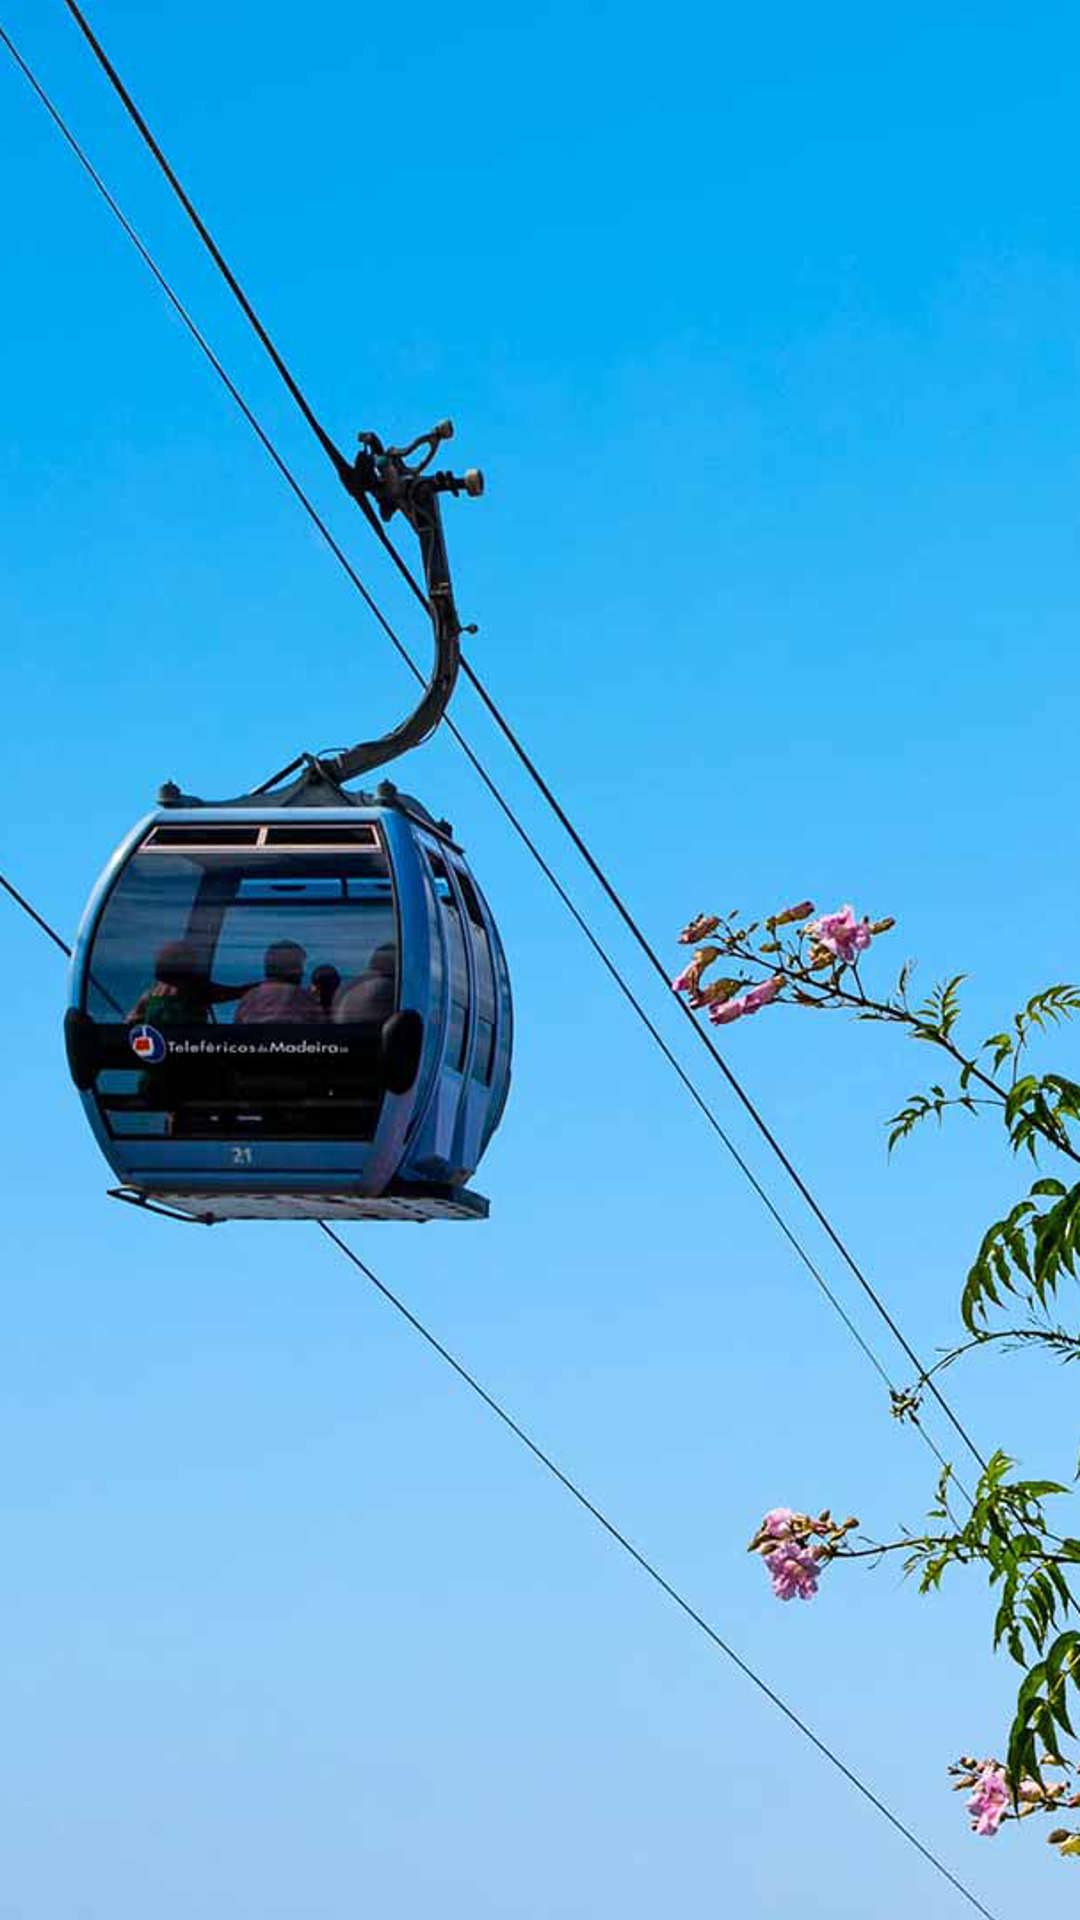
{"x": 147, "y": 1045}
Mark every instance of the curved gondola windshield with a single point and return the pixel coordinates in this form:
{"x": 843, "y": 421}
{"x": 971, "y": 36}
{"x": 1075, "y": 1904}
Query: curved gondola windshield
{"x": 239, "y": 981}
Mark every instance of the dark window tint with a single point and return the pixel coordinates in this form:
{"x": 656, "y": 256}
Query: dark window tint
{"x": 458, "y": 1036}
{"x": 151, "y": 904}
{"x": 436, "y": 968}
{"x": 502, "y": 975}
{"x": 335, "y": 928}
{"x": 338, "y": 910}
{"x": 290, "y": 957}
{"x": 484, "y": 1057}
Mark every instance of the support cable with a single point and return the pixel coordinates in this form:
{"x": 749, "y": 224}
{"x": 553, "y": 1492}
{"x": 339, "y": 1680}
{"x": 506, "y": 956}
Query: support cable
{"x": 647, "y": 1566}
{"x": 308, "y": 506}
{"x": 343, "y": 561}
{"x": 21, "y": 901}
{"x": 203, "y": 232}
{"x": 597, "y": 1514}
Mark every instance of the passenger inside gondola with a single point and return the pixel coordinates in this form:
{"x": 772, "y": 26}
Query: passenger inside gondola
{"x": 372, "y": 994}
{"x": 325, "y": 981}
{"x": 181, "y": 991}
{"x": 281, "y": 996}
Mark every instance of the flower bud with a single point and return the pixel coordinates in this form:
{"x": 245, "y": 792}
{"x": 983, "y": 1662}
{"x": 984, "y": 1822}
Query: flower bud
{"x": 717, "y": 992}
{"x": 687, "y": 981}
{"x": 882, "y": 926}
{"x": 699, "y": 928}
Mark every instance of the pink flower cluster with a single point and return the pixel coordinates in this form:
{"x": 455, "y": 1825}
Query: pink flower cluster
{"x": 792, "y": 1565}
{"x": 990, "y": 1801}
{"x": 841, "y": 934}
{"x": 804, "y": 965}
{"x": 727, "y": 1010}
{"x": 793, "y": 1570}
{"x": 993, "y": 1800}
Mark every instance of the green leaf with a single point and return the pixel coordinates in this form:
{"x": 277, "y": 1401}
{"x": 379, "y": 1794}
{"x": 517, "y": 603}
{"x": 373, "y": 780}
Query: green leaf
{"x": 1030, "y": 1250}
{"x": 1053, "y": 1003}
{"x": 940, "y": 1010}
{"x": 1001, "y": 1045}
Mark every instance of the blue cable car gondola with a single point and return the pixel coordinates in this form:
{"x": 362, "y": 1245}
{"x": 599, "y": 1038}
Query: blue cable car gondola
{"x": 295, "y": 1005}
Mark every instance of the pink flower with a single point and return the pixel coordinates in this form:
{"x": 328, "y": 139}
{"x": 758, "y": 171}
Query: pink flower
{"x": 841, "y": 934}
{"x": 777, "y": 1523}
{"x": 760, "y": 996}
{"x": 725, "y": 1010}
{"x": 690, "y": 977}
{"x": 716, "y": 990}
{"x": 793, "y": 1570}
{"x": 989, "y": 1802}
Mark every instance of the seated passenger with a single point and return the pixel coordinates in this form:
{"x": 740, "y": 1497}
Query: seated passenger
{"x": 182, "y": 991}
{"x": 325, "y": 981}
{"x": 372, "y": 994}
{"x": 280, "y": 997}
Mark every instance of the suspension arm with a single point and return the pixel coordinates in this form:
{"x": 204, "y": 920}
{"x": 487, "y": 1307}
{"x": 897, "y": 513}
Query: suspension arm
{"x": 382, "y": 478}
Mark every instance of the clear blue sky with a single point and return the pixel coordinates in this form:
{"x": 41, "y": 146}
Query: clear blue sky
{"x": 764, "y": 327}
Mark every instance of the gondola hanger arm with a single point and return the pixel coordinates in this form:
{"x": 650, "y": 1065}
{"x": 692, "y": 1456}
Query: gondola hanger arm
{"x": 391, "y": 481}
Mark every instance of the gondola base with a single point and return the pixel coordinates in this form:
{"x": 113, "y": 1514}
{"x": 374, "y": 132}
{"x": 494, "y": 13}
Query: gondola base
{"x": 401, "y": 1202}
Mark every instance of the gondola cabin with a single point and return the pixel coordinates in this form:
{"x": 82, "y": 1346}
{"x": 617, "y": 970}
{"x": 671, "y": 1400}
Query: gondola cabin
{"x": 292, "y": 1012}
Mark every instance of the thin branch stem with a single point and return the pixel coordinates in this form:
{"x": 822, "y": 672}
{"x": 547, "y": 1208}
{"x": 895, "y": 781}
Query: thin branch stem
{"x": 1046, "y": 1336}
{"x": 832, "y": 992}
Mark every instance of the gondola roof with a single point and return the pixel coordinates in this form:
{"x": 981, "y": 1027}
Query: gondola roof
{"x": 315, "y": 787}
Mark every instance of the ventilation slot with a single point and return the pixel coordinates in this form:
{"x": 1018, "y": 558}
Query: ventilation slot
{"x": 359, "y": 836}
{"x": 203, "y": 837}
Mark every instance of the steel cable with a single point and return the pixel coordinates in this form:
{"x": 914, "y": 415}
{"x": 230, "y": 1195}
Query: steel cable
{"x": 614, "y": 1532}
{"x": 647, "y": 1566}
{"x": 493, "y": 708}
